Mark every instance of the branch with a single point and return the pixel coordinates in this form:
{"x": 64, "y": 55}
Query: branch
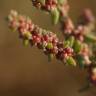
{"x": 78, "y": 47}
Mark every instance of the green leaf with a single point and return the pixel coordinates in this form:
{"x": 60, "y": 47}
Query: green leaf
{"x": 71, "y": 61}
{"x": 50, "y": 57}
{"x": 71, "y": 40}
{"x": 66, "y": 43}
{"x": 80, "y": 61}
{"x": 49, "y": 46}
{"x": 28, "y": 35}
{"x": 25, "y": 42}
{"x": 90, "y": 38}
{"x": 77, "y": 46}
{"x": 55, "y": 15}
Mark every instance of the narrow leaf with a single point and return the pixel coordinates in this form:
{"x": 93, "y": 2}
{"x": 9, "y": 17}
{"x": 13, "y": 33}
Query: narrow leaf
{"x": 77, "y": 46}
{"x": 66, "y": 44}
{"x": 55, "y": 15}
{"x": 80, "y": 60}
{"x": 50, "y": 57}
{"x": 71, "y": 40}
{"x": 25, "y": 42}
{"x": 49, "y": 46}
{"x": 71, "y": 61}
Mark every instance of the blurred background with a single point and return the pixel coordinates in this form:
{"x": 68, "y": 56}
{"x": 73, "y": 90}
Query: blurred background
{"x": 25, "y": 71}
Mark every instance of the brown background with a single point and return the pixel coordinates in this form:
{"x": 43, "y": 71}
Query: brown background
{"x": 25, "y": 71}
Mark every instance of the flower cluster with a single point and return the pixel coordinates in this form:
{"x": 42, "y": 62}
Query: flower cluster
{"x": 57, "y": 8}
{"x": 43, "y": 39}
{"x": 84, "y": 27}
{"x": 49, "y": 5}
{"x": 45, "y": 4}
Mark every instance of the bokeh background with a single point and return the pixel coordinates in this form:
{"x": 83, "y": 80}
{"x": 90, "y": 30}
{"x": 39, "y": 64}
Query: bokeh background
{"x": 25, "y": 71}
